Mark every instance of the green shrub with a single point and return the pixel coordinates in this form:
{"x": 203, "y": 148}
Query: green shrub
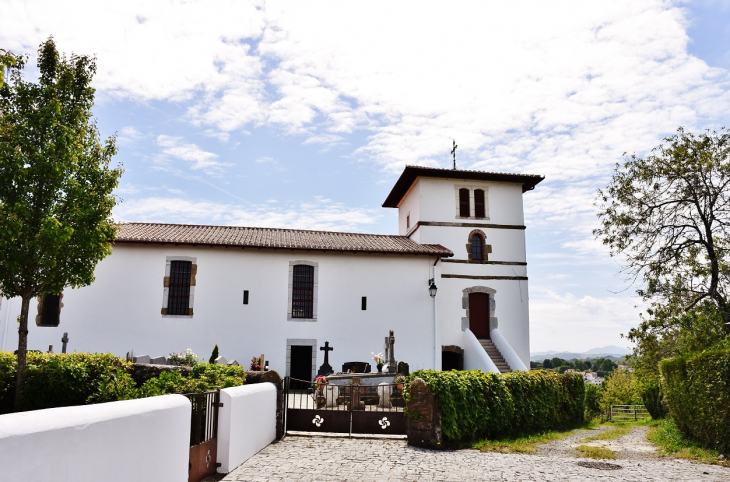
{"x": 204, "y": 377}
{"x": 61, "y": 380}
{"x": 477, "y": 404}
{"x": 592, "y": 398}
{"x": 697, "y": 391}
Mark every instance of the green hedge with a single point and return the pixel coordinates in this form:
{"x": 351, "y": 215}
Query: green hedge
{"x": 60, "y": 380}
{"x": 477, "y": 404}
{"x": 697, "y": 391}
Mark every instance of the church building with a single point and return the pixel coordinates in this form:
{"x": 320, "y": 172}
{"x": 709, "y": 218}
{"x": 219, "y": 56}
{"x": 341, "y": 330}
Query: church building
{"x": 452, "y": 285}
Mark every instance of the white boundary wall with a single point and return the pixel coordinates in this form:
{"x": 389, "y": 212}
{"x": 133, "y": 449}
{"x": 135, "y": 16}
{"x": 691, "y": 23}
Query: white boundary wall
{"x": 246, "y": 423}
{"x": 139, "y": 440}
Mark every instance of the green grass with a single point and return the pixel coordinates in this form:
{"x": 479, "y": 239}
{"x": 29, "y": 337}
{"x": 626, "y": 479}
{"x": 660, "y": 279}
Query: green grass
{"x": 527, "y": 444}
{"x": 612, "y": 433}
{"x": 596, "y": 452}
{"x": 670, "y": 441}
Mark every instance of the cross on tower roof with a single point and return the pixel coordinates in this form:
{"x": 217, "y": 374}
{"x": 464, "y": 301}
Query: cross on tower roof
{"x": 453, "y": 151}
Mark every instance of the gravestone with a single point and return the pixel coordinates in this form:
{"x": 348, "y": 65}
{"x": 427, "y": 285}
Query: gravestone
{"x": 160, "y": 360}
{"x": 234, "y": 363}
{"x": 64, "y": 340}
{"x": 142, "y": 359}
{"x": 355, "y": 388}
{"x": 404, "y": 368}
{"x": 384, "y": 391}
{"x": 326, "y": 369}
{"x": 356, "y": 367}
{"x": 221, "y": 360}
{"x": 390, "y": 352}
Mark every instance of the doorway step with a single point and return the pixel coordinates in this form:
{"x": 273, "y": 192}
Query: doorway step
{"x": 495, "y": 355}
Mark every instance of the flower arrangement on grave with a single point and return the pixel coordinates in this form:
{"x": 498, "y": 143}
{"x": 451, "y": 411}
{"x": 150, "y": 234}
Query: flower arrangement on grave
{"x": 379, "y": 360}
{"x": 255, "y": 364}
{"x": 184, "y": 358}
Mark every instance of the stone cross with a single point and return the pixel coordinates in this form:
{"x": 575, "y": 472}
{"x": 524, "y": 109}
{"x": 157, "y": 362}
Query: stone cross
{"x": 391, "y": 352}
{"x": 65, "y": 341}
{"x": 325, "y": 369}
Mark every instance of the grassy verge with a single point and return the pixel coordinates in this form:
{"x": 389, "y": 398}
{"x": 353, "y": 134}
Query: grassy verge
{"x": 527, "y": 444}
{"x": 670, "y": 441}
{"x": 612, "y": 433}
{"x": 595, "y": 452}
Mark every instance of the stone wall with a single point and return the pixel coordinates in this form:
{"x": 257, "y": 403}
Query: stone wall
{"x": 423, "y": 419}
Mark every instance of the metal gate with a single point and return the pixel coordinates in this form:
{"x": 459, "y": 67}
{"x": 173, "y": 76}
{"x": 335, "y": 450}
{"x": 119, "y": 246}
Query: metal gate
{"x": 203, "y": 435}
{"x": 350, "y": 409}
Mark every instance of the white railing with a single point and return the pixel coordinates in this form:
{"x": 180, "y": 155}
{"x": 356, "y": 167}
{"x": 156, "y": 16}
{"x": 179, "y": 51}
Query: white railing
{"x": 475, "y": 357}
{"x": 509, "y": 355}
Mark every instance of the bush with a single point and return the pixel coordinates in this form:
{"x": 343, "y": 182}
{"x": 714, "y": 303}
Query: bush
{"x": 619, "y": 388}
{"x": 61, "y": 380}
{"x": 697, "y": 391}
{"x": 592, "y": 401}
{"x": 477, "y": 404}
{"x": 204, "y": 377}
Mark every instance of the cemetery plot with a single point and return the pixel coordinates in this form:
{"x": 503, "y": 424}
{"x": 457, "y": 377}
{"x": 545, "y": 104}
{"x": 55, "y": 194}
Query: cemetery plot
{"x": 344, "y": 408}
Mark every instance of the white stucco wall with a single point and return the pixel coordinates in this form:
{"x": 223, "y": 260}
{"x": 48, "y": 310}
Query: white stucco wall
{"x": 438, "y": 202}
{"x": 120, "y": 311}
{"x": 146, "y": 439}
{"x": 246, "y": 423}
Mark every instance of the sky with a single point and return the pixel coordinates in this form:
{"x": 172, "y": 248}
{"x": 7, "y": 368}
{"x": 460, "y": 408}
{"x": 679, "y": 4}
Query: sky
{"x": 303, "y": 114}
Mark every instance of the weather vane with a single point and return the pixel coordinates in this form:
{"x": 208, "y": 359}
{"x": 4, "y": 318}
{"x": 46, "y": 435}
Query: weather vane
{"x": 453, "y": 151}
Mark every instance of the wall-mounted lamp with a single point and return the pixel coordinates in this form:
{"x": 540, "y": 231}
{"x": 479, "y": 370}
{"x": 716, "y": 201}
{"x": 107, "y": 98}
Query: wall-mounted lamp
{"x": 432, "y": 289}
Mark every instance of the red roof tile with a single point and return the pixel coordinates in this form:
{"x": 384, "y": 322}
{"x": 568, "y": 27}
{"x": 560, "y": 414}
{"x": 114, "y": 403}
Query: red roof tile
{"x": 411, "y": 173}
{"x": 274, "y": 239}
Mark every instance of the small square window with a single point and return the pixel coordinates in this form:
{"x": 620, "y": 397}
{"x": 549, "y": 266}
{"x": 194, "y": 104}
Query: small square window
{"x": 364, "y": 303}
{"x": 245, "y": 297}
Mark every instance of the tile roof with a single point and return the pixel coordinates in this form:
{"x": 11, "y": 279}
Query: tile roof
{"x": 274, "y": 239}
{"x": 411, "y": 173}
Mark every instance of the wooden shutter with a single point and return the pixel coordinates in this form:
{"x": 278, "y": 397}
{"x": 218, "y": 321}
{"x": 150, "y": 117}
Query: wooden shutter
{"x": 479, "y": 206}
{"x": 464, "y": 210}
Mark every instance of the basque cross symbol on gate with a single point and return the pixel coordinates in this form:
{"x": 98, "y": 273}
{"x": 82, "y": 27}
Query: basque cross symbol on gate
{"x": 325, "y": 369}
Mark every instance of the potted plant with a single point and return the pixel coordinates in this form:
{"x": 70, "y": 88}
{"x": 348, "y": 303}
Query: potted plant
{"x": 400, "y": 379}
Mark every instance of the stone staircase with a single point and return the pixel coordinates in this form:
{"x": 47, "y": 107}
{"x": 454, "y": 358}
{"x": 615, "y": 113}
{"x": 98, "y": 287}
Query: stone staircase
{"x": 495, "y": 355}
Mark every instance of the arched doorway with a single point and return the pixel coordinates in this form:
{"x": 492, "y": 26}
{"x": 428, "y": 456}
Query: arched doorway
{"x": 479, "y": 315}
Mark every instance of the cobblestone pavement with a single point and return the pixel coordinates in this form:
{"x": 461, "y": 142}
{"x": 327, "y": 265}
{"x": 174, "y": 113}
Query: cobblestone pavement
{"x": 300, "y": 458}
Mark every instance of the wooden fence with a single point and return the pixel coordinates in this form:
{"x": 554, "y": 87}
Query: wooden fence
{"x": 628, "y": 413}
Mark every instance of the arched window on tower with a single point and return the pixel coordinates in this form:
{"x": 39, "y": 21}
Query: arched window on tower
{"x": 477, "y": 253}
{"x": 464, "y": 208}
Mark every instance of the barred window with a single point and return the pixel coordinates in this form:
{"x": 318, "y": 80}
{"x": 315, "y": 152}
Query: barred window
{"x": 479, "y": 206}
{"x": 464, "y": 209}
{"x": 303, "y": 292}
{"x": 476, "y": 248}
{"x": 178, "y": 300}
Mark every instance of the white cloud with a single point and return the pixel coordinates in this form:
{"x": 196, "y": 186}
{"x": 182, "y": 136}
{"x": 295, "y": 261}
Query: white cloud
{"x": 175, "y": 147}
{"x": 321, "y": 214}
{"x": 560, "y": 88}
{"x": 564, "y": 321}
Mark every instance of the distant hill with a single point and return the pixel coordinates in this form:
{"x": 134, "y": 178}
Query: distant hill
{"x": 613, "y": 352}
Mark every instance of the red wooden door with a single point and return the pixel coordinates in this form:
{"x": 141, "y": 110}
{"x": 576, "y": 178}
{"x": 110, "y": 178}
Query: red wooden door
{"x": 479, "y": 315}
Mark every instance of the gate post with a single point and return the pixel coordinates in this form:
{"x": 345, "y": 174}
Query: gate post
{"x": 423, "y": 417}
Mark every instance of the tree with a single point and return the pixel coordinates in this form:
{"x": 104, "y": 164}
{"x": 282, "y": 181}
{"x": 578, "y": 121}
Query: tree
{"x": 55, "y": 184}
{"x": 619, "y": 389}
{"x": 213, "y": 355}
{"x": 547, "y": 364}
{"x": 668, "y": 215}
{"x": 7, "y": 60}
